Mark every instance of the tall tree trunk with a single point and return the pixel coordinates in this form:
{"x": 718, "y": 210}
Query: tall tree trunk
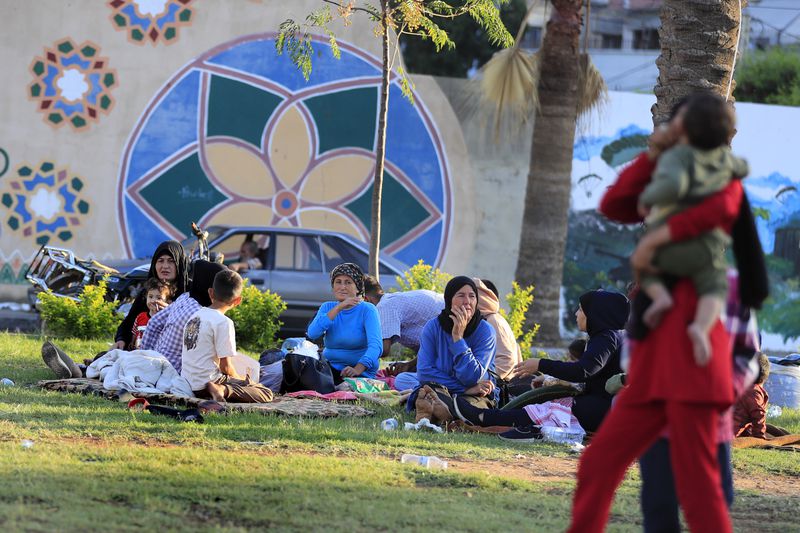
{"x": 699, "y": 43}
{"x": 380, "y": 149}
{"x": 544, "y": 224}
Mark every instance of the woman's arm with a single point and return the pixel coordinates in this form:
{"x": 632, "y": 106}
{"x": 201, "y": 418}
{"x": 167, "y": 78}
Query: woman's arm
{"x": 620, "y": 200}
{"x": 372, "y": 327}
{"x": 598, "y": 351}
{"x": 426, "y": 356}
{"x": 470, "y": 362}
{"x": 322, "y": 322}
{"x": 125, "y": 330}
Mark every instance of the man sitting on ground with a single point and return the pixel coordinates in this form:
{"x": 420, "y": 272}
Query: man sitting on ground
{"x": 248, "y": 258}
{"x": 402, "y": 316}
{"x": 209, "y": 344}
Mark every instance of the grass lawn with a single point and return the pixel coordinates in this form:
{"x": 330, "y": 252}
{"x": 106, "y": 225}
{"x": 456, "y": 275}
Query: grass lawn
{"x": 95, "y": 465}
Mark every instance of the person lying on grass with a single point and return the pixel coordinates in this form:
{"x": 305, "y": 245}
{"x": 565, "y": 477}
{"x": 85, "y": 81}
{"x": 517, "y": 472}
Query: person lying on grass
{"x": 209, "y": 344}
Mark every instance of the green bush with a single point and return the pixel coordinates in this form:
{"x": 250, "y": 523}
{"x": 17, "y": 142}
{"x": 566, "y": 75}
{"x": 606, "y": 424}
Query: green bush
{"x": 91, "y": 317}
{"x": 256, "y": 318}
{"x": 422, "y": 276}
{"x": 771, "y": 77}
{"x": 519, "y": 300}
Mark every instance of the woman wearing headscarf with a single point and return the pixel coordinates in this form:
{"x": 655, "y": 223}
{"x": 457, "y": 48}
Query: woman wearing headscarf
{"x": 350, "y": 326}
{"x": 601, "y": 314}
{"x": 456, "y": 351}
{"x": 169, "y": 264}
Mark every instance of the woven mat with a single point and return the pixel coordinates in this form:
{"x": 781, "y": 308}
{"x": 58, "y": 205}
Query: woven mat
{"x": 282, "y": 405}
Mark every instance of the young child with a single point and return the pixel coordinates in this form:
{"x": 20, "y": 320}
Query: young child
{"x": 209, "y": 343}
{"x": 159, "y": 294}
{"x": 699, "y": 166}
{"x": 750, "y": 411}
{"x": 248, "y": 258}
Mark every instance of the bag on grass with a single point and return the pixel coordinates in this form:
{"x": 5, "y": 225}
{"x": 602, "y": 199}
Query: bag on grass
{"x": 301, "y": 372}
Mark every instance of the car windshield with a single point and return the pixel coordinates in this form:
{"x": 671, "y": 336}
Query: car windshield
{"x": 190, "y": 242}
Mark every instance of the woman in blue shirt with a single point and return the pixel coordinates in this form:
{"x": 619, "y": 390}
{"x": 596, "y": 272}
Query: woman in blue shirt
{"x": 351, "y": 327}
{"x": 456, "y": 352}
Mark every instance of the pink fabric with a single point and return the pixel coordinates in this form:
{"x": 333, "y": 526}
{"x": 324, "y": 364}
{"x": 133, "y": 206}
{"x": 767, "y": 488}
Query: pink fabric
{"x": 556, "y": 413}
{"x": 338, "y": 396}
{"x": 389, "y": 380}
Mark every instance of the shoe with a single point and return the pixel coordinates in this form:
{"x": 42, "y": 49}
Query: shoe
{"x": 468, "y": 413}
{"x": 524, "y": 434}
{"x": 54, "y": 362}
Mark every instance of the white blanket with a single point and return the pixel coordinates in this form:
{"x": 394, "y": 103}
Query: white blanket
{"x": 144, "y": 371}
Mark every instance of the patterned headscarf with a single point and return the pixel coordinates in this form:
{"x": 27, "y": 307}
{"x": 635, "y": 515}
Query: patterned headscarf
{"x": 352, "y": 271}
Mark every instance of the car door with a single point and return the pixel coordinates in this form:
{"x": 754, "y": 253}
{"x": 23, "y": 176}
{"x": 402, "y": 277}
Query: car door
{"x": 297, "y": 275}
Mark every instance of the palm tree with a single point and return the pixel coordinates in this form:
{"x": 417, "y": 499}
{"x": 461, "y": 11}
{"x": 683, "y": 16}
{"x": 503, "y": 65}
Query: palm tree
{"x": 699, "y": 45}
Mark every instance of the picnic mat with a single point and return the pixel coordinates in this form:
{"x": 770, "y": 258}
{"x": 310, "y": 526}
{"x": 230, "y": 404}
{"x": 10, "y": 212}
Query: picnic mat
{"x": 786, "y": 442}
{"x": 282, "y": 405}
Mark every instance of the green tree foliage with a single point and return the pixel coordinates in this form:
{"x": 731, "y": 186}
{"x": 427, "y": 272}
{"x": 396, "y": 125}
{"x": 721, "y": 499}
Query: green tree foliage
{"x": 771, "y": 77}
{"x": 422, "y": 276}
{"x": 256, "y": 318}
{"x": 519, "y": 300}
{"x": 472, "y": 46}
{"x": 90, "y": 317}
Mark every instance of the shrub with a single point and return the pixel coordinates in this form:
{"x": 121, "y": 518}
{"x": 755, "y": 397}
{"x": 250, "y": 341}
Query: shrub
{"x": 422, "y": 276}
{"x": 519, "y": 300}
{"x": 90, "y": 317}
{"x": 256, "y": 318}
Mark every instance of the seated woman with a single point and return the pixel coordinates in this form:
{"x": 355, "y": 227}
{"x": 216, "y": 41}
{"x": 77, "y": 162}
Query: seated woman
{"x": 351, "y": 327}
{"x": 456, "y": 352}
{"x": 170, "y": 265}
{"x": 601, "y": 314}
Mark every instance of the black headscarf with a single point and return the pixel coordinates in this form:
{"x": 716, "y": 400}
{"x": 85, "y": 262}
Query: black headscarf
{"x": 604, "y": 310}
{"x": 174, "y": 250}
{"x": 203, "y": 279}
{"x": 352, "y": 271}
{"x": 453, "y": 286}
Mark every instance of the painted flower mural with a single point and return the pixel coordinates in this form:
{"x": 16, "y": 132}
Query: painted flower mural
{"x": 238, "y": 137}
{"x": 44, "y": 203}
{"x": 72, "y": 84}
{"x": 152, "y": 21}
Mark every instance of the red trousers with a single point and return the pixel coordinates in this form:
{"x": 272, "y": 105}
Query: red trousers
{"x": 627, "y": 431}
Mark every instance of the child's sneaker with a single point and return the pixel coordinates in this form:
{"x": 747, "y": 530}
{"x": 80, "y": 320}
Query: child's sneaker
{"x": 530, "y": 433}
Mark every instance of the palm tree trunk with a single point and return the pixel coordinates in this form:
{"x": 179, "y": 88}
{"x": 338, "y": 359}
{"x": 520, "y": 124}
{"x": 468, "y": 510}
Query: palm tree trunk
{"x": 380, "y": 149}
{"x": 699, "y": 43}
{"x": 544, "y": 225}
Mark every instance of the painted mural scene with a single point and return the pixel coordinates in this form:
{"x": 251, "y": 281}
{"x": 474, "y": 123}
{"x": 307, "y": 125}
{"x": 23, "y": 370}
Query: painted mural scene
{"x": 345, "y": 265}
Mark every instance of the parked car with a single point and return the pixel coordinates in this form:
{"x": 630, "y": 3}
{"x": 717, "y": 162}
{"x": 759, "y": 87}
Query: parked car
{"x": 296, "y": 265}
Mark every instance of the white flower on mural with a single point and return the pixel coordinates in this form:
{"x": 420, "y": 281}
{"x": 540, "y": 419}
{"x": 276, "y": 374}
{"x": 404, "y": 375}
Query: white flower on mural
{"x": 151, "y": 7}
{"x": 45, "y": 203}
{"x": 72, "y": 84}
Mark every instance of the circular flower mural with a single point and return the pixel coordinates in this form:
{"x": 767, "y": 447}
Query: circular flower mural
{"x": 238, "y": 137}
{"x": 44, "y": 203}
{"x": 72, "y": 84}
{"x": 150, "y": 21}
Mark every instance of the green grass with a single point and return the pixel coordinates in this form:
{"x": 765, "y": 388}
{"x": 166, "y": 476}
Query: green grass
{"x": 95, "y": 465}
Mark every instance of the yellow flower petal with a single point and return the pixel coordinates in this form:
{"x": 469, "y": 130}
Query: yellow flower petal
{"x": 240, "y": 170}
{"x": 242, "y": 214}
{"x": 290, "y": 147}
{"x": 330, "y": 220}
{"x": 337, "y": 178}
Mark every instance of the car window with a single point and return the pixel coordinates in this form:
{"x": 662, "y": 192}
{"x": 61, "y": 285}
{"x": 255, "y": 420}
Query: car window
{"x": 336, "y": 251}
{"x": 230, "y": 246}
{"x": 297, "y": 252}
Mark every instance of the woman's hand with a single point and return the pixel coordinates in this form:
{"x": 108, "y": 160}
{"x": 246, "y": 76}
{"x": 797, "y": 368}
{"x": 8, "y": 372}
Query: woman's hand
{"x": 347, "y": 303}
{"x": 525, "y": 368}
{"x": 119, "y": 345}
{"x": 460, "y": 321}
{"x": 481, "y": 388}
{"x": 353, "y": 371}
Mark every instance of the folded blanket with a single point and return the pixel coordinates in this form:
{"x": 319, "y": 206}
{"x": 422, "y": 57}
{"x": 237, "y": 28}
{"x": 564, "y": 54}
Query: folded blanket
{"x": 143, "y": 371}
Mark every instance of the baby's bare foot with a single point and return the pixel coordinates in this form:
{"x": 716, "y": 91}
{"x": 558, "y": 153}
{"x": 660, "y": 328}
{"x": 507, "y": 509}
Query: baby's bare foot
{"x": 700, "y": 344}
{"x": 654, "y": 313}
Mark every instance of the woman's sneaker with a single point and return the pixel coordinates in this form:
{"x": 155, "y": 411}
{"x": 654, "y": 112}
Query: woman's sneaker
{"x": 530, "y": 433}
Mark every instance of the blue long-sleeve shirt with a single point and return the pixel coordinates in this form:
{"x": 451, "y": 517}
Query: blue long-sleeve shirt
{"x": 456, "y": 365}
{"x": 353, "y": 337}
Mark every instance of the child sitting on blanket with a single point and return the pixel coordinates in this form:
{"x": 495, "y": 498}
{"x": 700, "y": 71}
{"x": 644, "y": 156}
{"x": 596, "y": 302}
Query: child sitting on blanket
{"x": 700, "y": 165}
{"x": 159, "y": 294}
{"x": 209, "y": 344}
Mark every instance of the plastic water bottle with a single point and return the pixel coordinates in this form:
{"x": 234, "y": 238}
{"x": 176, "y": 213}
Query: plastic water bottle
{"x": 390, "y": 424}
{"x": 5, "y": 382}
{"x": 430, "y": 462}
